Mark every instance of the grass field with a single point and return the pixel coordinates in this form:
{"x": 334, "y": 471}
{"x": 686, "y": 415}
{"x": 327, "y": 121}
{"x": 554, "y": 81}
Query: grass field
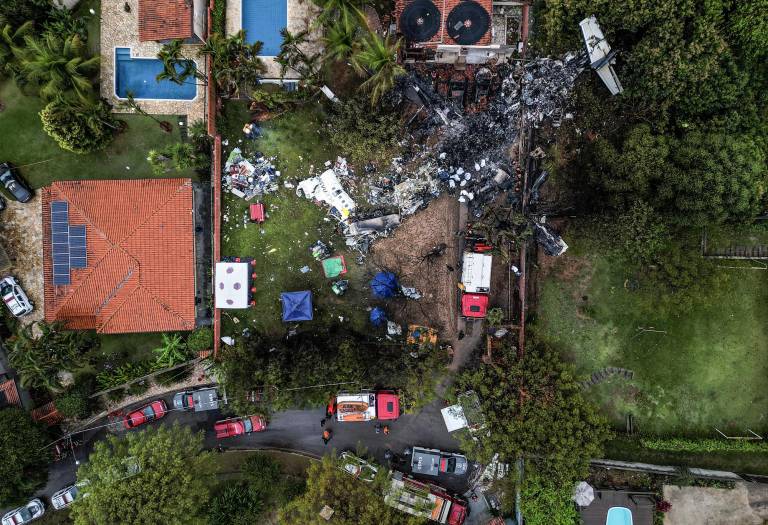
{"x": 41, "y": 161}
{"x": 280, "y": 246}
{"x": 705, "y": 368}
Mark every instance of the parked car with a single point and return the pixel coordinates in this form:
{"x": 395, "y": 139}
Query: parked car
{"x": 237, "y": 426}
{"x": 154, "y": 410}
{"x": 431, "y": 462}
{"x": 14, "y": 297}
{"x": 13, "y": 183}
{"x": 358, "y": 467}
{"x": 64, "y": 497}
{"x": 29, "y": 512}
{"x": 453, "y": 464}
{"x": 197, "y": 400}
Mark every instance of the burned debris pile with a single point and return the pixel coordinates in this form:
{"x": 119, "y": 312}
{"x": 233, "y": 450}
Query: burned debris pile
{"x": 249, "y": 178}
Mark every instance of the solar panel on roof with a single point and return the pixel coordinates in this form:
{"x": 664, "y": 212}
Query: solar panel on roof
{"x": 77, "y": 250}
{"x": 60, "y": 242}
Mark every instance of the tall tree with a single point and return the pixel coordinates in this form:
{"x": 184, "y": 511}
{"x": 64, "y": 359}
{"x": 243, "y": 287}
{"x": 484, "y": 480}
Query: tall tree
{"x": 39, "y": 359}
{"x": 23, "y": 468}
{"x": 335, "y": 9}
{"x": 535, "y": 408}
{"x": 60, "y": 66}
{"x": 293, "y": 56}
{"x": 11, "y": 45}
{"x": 340, "y": 39}
{"x": 377, "y": 58}
{"x": 235, "y": 64}
{"x": 176, "y": 67}
{"x": 353, "y": 501}
{"x": 159, "y": 475}
{"x": 79, "y": 127}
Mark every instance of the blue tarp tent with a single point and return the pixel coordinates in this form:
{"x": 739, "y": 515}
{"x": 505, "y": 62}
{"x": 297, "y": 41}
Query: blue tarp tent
{"x": 384, "y": 285}
{"x": 297, "y": 306}
{"x": 378, "y": 316}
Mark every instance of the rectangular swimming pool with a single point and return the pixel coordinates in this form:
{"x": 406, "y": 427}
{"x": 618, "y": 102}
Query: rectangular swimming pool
{"x": 263, "y": 20}
{"x": 138, "y": 76}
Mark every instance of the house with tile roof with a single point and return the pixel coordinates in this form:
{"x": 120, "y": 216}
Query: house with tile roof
{"x": 119, "y": 255}
{"x": 163, "y": 20}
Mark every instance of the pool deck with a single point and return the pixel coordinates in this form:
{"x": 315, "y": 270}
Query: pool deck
{"x": 301, "y": 13}
{"x": 641, "y": 505}
{"x": 121, "y": 29}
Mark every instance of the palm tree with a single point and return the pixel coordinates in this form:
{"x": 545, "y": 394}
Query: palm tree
{"x": 171, "y": 57}
{"x": 292, "y": 56}
{"x": 235, "y": 64}
{"x": 60, "y": 66}
{"x": 378, "y": 59}
{"x": 173, "y": 351}
{"x": 38, "y": 360}
{"x": 11, "y": 43}
{"x": 341, "y": 39}
{"x": 334, "y": 9}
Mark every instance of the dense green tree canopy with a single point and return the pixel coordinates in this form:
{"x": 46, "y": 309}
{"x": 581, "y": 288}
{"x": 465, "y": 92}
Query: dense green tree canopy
{"x": 696, "y": 180}
{"x": 79, "y": 128}
{"x": 535, "y": 408}
{"x": 171, "y": 486}
{"x": 24, "y": 465}
{"x": 353, "y": 501}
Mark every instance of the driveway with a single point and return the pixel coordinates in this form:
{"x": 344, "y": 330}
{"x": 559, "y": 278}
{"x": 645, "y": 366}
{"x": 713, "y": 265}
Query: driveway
{"x": 297, "y": 430}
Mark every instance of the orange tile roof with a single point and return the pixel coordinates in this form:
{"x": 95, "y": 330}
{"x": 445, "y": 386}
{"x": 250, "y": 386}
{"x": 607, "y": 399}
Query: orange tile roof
{"x": 165, "y": 19}
{"x": 10, "y": 393}
{"x": 47, "y": 414}
{"x": 141, "y": 256}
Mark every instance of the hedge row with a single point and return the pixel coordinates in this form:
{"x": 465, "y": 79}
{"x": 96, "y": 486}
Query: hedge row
{"x": 705, "y": 445}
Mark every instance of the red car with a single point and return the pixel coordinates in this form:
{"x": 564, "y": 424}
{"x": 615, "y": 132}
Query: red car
{"x": 147, "y": 413}
{"x": 237, "y": 426}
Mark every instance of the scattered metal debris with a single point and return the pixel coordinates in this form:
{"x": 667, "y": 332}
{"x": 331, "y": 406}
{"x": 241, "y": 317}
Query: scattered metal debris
{"x": 249, "y": 178}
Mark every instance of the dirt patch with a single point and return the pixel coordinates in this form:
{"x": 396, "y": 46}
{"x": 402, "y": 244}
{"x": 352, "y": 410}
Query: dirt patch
{"x": 21, "y": 231}
{"x": 708, "y": 506}
{"x": 403, "y": 252}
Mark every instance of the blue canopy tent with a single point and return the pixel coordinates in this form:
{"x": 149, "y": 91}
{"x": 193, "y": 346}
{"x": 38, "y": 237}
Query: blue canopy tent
{"x": 378, "y": 316}
{"x": 384, "y": 285}
{"x": 297, "y": 306}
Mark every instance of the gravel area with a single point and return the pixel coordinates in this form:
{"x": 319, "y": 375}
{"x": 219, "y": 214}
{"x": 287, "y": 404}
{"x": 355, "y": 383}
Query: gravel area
{"x": 402, "y": 253}
{"x": 708, "y": 506}
{"x": 21, "y": 231}
{"x": 121, "y": 29}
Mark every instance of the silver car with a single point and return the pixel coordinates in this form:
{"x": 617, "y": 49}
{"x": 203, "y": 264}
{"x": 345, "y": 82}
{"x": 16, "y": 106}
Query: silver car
{"x": 14, "y": 297}
{"x": 29, "y": 512}
{"x": 64, "y": 497}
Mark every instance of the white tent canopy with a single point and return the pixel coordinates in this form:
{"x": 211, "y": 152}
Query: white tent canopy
{"x": 231, "y": 285}
{"x": 454, "y": 418}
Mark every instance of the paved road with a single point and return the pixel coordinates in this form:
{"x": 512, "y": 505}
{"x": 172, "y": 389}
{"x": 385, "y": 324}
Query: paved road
{"x": 295, "y": 430}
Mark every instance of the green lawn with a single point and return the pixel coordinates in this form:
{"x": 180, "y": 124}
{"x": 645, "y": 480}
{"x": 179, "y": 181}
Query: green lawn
{"x": 281, "y": 245}
{"x": 41, "y": 161}
{"x": 702, "y": 369}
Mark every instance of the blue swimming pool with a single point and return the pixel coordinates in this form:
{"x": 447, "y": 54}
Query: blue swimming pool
{"x": 138, "y": 75}
{"x": 619, "y": 516}
{"x": 263, "y": 20}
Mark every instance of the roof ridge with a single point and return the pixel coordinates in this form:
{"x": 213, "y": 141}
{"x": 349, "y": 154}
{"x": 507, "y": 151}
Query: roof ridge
{"x": 151, "y": 296}
{"x": 160, "y": 208}
{"x": 61, "y": 188}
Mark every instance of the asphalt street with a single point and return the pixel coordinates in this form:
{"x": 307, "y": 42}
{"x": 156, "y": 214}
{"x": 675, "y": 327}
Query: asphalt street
{"x": 295, "y": 430}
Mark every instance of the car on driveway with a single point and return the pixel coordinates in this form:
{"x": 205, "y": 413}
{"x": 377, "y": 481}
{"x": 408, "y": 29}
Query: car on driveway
{"x": 13, "y": 183}
{"x": 431, "y": 462}
{"x": 197, "y": 400}
{"x": 63, "y": 498}
{"x": 150, "y": 412}
{"x": 14, "y": 297}
{"x": 29, "y": 512}
{"x": 238, "y": 426}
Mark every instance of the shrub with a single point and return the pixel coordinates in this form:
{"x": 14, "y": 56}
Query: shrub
{"x": 235, "y": 503}
{"x": 75, "y": 402}
{"x": 139, "y": 388}
{"x": 79, "y": 129}
{"x": 179, "y": 157}
{"x": 16, "y": 12}
{"x": 218, "y": 17}
{"x": 704, "y": 445}
{"x": 200, "y": 339}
